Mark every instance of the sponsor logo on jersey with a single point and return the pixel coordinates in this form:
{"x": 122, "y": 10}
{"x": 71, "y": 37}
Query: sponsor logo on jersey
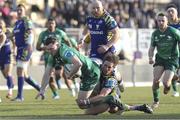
{"x": 68, "y": 54}
{"x": 97, "y": 27}
{"x": 162, "y": 35}
{"x": 96, "y": 32}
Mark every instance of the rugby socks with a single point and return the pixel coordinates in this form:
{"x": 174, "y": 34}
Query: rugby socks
{"x": 137, "y": 107}
{"x": 33, "y": 83}
{"x": 10, "y": 83}
{"x": 156, "y": 94}
{"x": 58, "y": 82}
{"x": 174, "y": 85}
{"x": 20, "y": 87}
{"x": 52, "y": 86}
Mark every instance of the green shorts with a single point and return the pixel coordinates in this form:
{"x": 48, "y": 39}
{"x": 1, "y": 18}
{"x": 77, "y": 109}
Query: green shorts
{"x": 168, "y": 64}
{"x": 90, "y": 78}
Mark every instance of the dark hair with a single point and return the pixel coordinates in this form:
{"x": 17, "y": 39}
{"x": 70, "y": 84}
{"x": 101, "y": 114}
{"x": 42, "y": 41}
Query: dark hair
{"x": 21, "y": 5}
{"x": 112, "y": 58}
{"x": 50, "y": 40}
{"x": 51, "y": 19}
{"x": 161, "y": 14}
{"x": 171, "y": 6}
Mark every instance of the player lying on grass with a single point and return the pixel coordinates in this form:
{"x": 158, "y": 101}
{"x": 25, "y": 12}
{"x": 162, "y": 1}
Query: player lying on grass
{"x": 108, "y": 94}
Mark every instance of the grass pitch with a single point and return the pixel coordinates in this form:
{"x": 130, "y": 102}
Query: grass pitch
{"x": 66, "y": 108}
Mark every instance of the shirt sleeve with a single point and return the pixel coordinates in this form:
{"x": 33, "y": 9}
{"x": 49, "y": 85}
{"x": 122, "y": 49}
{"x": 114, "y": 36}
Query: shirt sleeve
{"x": 28, "y": 24}
{"x": 67, "y": 55}
{"x": 110, "y": 83}
{"x": 40, "y": 38}
{"x": 153, "y": 44}
{"x": 110, "y": 23}
{"x": 177, "y": 34}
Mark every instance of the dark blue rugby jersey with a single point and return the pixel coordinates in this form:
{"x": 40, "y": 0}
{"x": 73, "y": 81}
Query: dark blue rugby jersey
{"x": 99, "y": 28}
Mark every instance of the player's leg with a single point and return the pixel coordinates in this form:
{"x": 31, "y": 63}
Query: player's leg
{"x": 157, "y": 73}
{"x": 97, "y": 109}
{"x": 70, "y": 85}
{"x": 168, "y": 75}
{"x": 144, "y": 108}
{"x": 76, "y": 84}
{"x": 174, "y": 85}
{"x": 7, "y": 74}
{"x": 21, "y": 65}
{"x": 58, "y": 75}
{"x": 52, "y": 85}
{"x": 31, "y": 81}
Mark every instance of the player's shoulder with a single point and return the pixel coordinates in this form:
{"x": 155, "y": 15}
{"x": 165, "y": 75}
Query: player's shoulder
{"x": 44, "y": 32}
{"x": 26, "y": 19}
{"x": 172, "y": 29}
{"x": 107, "y": 17}
{"x": 156, "y": 31}
{"x": 60, "y": 31}
{"x": 111, "y": 82}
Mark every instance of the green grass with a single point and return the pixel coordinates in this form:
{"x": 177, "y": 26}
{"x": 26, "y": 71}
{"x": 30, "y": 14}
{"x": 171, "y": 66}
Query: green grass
{"x": 66, "y": 107}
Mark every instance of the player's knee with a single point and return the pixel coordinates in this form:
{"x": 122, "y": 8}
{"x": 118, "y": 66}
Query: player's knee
{"x": 51, "y": 80}
{"x": 113, "y": 109}
{"x": 166, "y": 84}
{"x": 57, "y": 76}
{"x": 82, "y": 103}
{"x": 155, "y": 84}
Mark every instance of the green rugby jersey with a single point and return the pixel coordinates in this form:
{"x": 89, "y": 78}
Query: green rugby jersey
{"x": 65, "y": 54}
{"x": 61, "y": 35}
{"x": 166, "y": 42}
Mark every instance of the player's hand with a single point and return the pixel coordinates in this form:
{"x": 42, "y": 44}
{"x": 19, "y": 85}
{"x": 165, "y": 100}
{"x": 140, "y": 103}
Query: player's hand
{"x": 102, "y": 48}
{"x": 26, "y": 54}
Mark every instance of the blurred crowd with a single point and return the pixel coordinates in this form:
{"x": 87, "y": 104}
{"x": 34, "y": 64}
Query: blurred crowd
{"x": 72, "y": 13}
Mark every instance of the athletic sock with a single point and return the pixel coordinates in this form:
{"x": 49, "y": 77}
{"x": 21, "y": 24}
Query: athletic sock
{"x": 156, "y": 94}
{"x": 20, "y": 87}
{"x": 174, "y": 85}
{"x": 10, "y": 83}
{"x": 33, "y": 83}
{"x": 52, "y": 86}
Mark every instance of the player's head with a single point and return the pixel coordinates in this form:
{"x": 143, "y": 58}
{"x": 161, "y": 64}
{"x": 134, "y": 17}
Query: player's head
{"x": 109, "y": 63}
{"x": 162, "y": 20}
{"x": 51, "y": 24}
{"x": 97, "y": 8}
{"x": 52, "y": 45}
{"x": 172, "y": 12}
{"x": 21, "y": 10}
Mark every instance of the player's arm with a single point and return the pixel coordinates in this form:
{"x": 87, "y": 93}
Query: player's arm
{"x": 2, "y": 39}
{"x": 12, "y": 38}
{"x": 66, "y": 40}
{"x": 115, "y": 37}
{"x": 45, "y": 79}
{"x": 112, "y": 28}
{"x": 105, "y": 91}
{"x": 177, "y": 34}
{"x": 77, "y": 64}
{"x": 85, "y": 39}
{"x": 39, "y": 45}
{"x": 29, "y": 39}
{"x": 46, "y": 75}
{"x": 151, "y": 50}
